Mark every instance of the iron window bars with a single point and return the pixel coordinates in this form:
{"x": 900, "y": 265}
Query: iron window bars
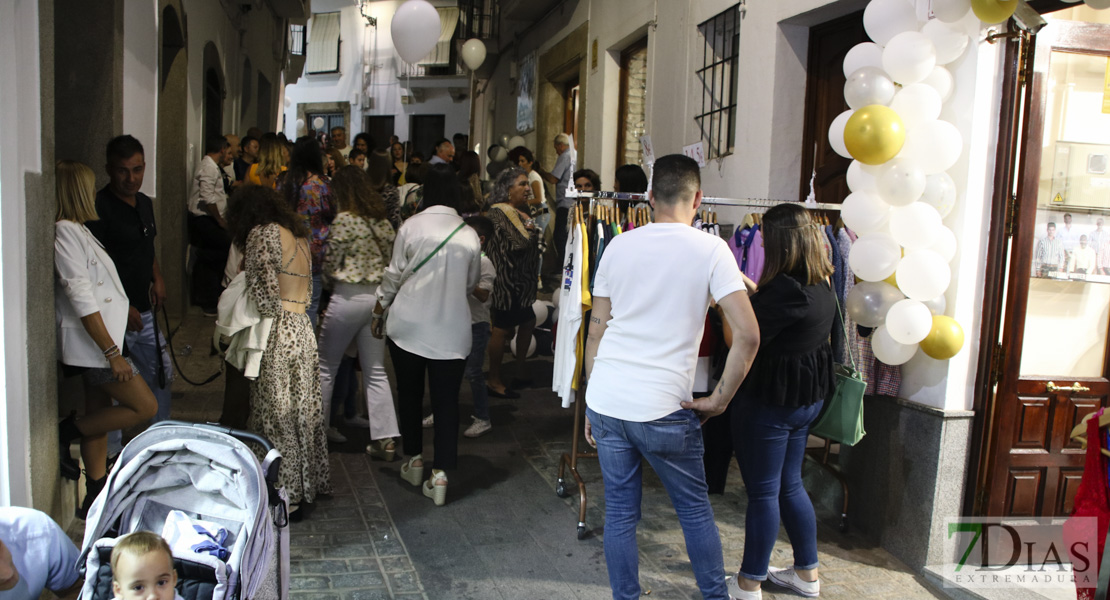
{"x": 717, "y": 119}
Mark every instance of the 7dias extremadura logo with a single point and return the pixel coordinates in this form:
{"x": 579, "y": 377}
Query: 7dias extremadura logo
{"x": 1031, "y": 553}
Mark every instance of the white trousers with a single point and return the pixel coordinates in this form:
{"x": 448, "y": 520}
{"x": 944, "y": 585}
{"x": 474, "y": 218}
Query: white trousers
{"x": 347, "y": 320}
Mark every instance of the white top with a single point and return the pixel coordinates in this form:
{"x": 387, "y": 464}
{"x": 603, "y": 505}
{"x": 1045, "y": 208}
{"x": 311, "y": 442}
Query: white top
{"x": 428, "y": 310}
{"x": 570, "y": 319}
{"x": 85, "y": 282}
{"x": 208, "y": 187}
{"x": 42, "y": 553}
{"x": 1083, "y": 258}
{"x": 645, "y": 363}
{"x": 533, "y": 177}
{"x": 479, "y": 311}
{"x": 1069, "y": 237}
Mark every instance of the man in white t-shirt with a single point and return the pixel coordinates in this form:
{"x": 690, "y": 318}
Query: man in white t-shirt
{"x": 650, "y": 297}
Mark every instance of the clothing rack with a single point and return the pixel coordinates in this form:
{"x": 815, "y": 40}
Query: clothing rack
{"x": 569, "y": 460}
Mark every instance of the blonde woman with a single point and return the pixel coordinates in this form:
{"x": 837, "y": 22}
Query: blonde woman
{"x": 272, "y": 161}
{"x": 91, "y": 308}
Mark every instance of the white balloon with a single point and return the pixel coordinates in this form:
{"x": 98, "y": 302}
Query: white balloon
{"x": 909, "y": 321}
{"x": 917, "y": 104}
{"x": 300, "y": 125}
{"x": 863, "y": 178}
{"x": 864, "y": 212}
{"x": 865, "y": 54}
{"x": 473, "y": 53}
{"x": 836, "y": 133}
{"x": 940, "y": 193}
{"x": 915, "y": 225}
{"x": 318, "y": 123}
{"x": 969, "y": 24}
{"x": 884, "y": 19}
{"x": 950, "y": 43}
{"x": 889, "y": 351}
{"x": 874, "y": 256}
{"x": 935, "y": 146}
{"x": 288, "y": 102}
{"x": 1098, "y": 4}
{"x": 901, "y": 182}
{"x": 531, "y": 346}
{"x": 415, "y": 30}
{"x": 923, "y": 275}
{"x": 937, "y": 305}
{"x": 909, "y": 57}
{"x": 941, "y": 81}
{"x": 951, "y": 11}
{"x": 944, "y": 244}
{"x": 868, "y": 85}
{"x": 515, "y": 142}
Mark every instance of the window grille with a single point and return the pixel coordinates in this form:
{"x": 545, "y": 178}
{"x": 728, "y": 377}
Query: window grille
{"x": 717, "y": 119}
{"x": 296, "y": 40}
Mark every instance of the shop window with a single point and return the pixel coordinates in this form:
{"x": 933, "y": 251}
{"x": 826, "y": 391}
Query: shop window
{"x": 717, "y": 119}
{"x": 633, "y": 101}
{"x": 296, "y": 40}
{"x": 323, "y": 49}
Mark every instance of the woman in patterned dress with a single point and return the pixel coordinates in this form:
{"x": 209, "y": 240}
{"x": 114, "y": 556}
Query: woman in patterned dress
{"x": 360, "y": 247}
{"x": 514, "y": 252}
{"x": 285, "y": 403}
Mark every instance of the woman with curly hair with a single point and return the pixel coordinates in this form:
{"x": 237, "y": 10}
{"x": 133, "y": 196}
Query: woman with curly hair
{"x": 285, "y": 403}
{"x": 514, "y": 252}
{"x": 360, "y": 247}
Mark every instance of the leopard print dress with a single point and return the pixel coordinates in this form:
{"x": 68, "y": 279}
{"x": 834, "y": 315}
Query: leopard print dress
{"x": 285, "y": 399}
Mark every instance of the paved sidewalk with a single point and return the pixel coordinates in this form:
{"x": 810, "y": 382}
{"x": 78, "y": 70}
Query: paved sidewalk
{"x": 504, "y": 534}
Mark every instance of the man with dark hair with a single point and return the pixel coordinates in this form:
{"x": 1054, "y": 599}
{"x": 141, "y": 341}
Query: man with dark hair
{"x": 207, "y": 228}
{"x": 357, "y": 158}
{"x": 126, "y": 229}
{"x": 255, "y": 132}
{"x": 586, "y": 180}
{"x": 247, "y": 157}
{"x": 637, "y": 410}
{"x": 444, "y": 152}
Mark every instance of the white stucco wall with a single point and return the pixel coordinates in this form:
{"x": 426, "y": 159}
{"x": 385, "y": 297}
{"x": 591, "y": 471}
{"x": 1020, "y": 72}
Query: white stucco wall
{"x": 140, "y": 80}
{"x": 369, "y": 50}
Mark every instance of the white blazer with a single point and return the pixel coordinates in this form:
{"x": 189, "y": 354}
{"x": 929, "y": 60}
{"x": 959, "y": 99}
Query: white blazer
{"x": 85, "y": 282}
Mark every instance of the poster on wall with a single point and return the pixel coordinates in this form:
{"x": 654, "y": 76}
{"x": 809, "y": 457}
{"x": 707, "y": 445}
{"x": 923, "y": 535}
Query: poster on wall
{"x": 526, "y": 95}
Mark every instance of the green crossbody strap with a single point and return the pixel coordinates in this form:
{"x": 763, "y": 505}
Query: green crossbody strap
{"x": 844, "y": 323}
{"x": 438, "y": 248}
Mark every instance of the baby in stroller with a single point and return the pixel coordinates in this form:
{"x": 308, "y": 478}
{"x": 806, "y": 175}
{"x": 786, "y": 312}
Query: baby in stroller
{"x": 142, "y": 568}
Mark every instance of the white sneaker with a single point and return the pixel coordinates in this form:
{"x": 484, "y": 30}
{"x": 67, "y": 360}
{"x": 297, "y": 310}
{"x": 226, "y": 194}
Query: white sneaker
{"x": 788, "y": 579}
{"x": 335, "y": 436}
{"x": 735, "y": 593}
{"x": 477, "y": 428}
{"x": 357, "y": 421}
{"x": 428, "y": 422}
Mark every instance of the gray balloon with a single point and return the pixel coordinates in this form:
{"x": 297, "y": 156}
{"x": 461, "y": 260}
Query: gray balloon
{"x": 869, "y": 301}
{"x": 868, "y": 85}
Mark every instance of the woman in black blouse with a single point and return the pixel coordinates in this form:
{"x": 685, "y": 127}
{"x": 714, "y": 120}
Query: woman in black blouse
{"x": 781, "y": 397}
{"x": 514, "y": 252}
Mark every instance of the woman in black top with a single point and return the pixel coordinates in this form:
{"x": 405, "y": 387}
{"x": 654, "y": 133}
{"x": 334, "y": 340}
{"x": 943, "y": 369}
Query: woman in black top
{"x": 781, "y": 397}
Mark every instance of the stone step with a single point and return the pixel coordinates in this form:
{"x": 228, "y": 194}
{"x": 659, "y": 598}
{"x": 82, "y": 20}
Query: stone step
{"x": 934, "y": 575}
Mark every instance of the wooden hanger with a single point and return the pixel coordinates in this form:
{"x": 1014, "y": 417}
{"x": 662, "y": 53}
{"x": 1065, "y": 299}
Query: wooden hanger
{"x": 1079, "y": 432}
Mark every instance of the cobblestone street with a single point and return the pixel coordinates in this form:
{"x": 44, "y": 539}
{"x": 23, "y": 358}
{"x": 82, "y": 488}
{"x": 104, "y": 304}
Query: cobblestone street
{"x": 504, "y": 534}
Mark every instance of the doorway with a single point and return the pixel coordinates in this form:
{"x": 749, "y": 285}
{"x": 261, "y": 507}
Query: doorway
{"x": 571, "y": 91}
{"x": 425, "y": 131}
{"x": 1053, "y": 354}
{"x": 380, "y": 129}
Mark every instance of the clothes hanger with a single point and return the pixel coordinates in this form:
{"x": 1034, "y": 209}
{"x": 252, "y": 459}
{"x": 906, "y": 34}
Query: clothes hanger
{"x": 1079, "y": 432}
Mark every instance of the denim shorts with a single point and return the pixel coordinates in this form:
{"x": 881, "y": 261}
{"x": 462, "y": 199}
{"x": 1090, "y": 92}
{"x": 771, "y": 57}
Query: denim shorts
{"x": 99, "y": 376}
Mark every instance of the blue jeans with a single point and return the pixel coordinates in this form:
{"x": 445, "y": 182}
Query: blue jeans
{"x": 673, "y": 447}
{"x": 144, "y": 353}
{"x": 479, "y": 335}
{"x": 770, "y": 447}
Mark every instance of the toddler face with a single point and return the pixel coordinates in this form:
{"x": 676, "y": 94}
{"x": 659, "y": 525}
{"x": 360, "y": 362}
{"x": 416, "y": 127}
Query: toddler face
{"x": 147, "y": 577}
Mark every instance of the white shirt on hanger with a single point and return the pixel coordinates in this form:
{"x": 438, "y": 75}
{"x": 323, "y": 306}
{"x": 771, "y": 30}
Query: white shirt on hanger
{"x": 570, "y": 319}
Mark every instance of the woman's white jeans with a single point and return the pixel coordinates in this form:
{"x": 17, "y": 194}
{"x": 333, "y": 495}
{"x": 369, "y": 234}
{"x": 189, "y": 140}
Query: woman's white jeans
{"x": 347, "y": 320}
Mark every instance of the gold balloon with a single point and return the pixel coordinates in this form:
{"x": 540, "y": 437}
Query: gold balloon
{"x": 874, "y": 134}
{"x": 944, "y": 340}
{"x": 892, "y": 281}
{"x": 993, "y": 11}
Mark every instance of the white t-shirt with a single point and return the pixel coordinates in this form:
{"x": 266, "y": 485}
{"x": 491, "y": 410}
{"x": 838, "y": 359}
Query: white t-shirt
{"x": 570, "y": 319}
{"x": 659, "y": 279}
{"x": 479, "y": 311}
{"x": 533, "y": 176}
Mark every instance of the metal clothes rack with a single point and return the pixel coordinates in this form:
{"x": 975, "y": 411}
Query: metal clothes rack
{"x": 569, "y": 460}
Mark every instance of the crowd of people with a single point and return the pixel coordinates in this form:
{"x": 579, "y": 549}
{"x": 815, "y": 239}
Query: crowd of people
{"x": 344, "y": 252}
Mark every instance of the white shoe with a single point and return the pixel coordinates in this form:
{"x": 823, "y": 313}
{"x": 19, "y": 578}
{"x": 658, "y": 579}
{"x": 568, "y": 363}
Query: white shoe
{"x": 428, "y": 422}
{"x": 735, "y": 593}
{"x": 434, "y": 489}
{"x": 357, "y": 421}
{"x": 477, "y": 428}
{"x": 789, "y": 579}
{"x": 335, "y": 436}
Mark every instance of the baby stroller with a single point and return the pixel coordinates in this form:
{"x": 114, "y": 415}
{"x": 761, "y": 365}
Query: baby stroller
{"x": 208, "y": 473}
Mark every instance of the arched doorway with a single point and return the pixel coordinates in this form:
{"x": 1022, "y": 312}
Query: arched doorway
{"x": 213, "y": 92}
{"x": 172, "y": 176}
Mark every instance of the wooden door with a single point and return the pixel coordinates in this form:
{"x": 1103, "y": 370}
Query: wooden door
{"x": 1054, "y": 358}
{"x": 425, "y": 131}
{"x": 828, "y": 43}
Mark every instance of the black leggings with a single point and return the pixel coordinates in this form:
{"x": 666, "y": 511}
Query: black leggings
{"x": 444, "y": 379}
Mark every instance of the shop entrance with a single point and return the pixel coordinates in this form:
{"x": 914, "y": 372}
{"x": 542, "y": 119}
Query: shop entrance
{"x": 1053, "y": 361}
